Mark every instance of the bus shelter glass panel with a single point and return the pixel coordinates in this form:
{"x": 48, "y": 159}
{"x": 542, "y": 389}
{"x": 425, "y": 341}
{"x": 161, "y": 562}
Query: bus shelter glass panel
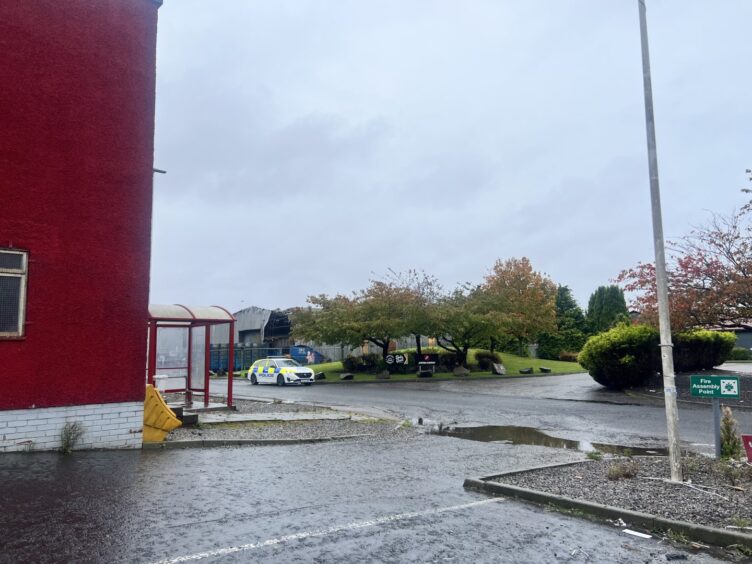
{"x": 172, "y": 354}
{"x": 198, "y": 356}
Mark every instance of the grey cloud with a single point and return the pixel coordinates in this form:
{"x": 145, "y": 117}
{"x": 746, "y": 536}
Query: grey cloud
{"x": 433, "y": 135}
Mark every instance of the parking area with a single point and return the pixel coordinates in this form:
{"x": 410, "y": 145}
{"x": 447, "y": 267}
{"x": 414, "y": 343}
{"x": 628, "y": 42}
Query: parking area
{"x": 397, "y": 500}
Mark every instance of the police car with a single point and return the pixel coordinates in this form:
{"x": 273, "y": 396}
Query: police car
{"x": 280, "y": 371}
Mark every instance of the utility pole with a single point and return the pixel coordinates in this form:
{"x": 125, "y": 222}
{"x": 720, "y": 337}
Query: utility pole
{"x": 667, "y": 353}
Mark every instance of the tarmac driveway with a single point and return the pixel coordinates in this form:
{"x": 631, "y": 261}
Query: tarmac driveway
{"x": 571, "y": 407}
{"x": 393, "y": 501}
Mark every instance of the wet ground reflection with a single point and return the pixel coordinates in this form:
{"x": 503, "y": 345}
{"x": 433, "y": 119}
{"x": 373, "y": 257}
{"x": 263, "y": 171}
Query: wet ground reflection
{"x": 530, "y": 436}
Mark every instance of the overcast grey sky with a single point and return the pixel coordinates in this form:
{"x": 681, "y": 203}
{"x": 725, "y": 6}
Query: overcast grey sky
{"x": 311, "y": 145}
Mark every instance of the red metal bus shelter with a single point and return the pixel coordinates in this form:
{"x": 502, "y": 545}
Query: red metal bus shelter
{"x": 194, "y": 319}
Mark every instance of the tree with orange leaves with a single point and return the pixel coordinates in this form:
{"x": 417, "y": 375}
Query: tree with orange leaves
{"x": 521, "y": 301}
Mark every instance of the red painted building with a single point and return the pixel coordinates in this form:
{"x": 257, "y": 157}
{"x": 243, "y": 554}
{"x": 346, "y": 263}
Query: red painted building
{"x": 76, "y": 157}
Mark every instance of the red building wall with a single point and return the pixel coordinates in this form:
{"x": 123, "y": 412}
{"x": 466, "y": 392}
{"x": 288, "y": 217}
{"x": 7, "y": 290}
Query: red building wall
{"x": 77, "y": 82}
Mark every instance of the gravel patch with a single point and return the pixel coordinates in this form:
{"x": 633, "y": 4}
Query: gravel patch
{"x": 251, "y": 406}
{"x": 718, "y": 506}
{"x": 378, "y": 430}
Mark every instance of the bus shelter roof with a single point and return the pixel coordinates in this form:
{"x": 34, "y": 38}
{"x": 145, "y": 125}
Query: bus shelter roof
{"x": 189, "y": 315}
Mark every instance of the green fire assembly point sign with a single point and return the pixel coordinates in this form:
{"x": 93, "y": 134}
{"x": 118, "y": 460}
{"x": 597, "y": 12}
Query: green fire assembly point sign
{"x": 714, "y": 386}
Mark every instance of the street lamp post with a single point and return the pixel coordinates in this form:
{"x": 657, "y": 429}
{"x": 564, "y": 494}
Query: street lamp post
{"x": 667, "y": 355}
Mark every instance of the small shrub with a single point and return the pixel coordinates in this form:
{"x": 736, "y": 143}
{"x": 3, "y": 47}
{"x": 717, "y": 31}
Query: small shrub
{"x": 446, "y": 361}
{"x": 740, "y": 353}
{"x": 623, "y": 470}
{"x": 363, "y": 363}
{"x": 731, "y": 444}
{"x": 484, "y": 359}
{"x": 551, "y": 345}
{"x": 595, "y": 455}
{"x": 689, "y": 465}
{"x": 732, "y": 473}
{"x": 568, "y": 356}
{"x": 70, "y": 435}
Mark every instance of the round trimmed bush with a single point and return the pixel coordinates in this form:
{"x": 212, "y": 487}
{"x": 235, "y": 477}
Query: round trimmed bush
{"x": 629, "y": 355}
{"x": 622, "y": 357}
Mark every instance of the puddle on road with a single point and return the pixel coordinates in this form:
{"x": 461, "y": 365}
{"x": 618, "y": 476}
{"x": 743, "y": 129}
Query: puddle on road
{"x": 530, "y": 436}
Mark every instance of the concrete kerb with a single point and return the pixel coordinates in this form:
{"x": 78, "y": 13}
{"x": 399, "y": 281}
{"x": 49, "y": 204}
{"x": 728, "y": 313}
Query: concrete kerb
{"x": 369, "y": 412}
{"x": 208, "y": 443}
{"x": 432, "y": 379}
{"x": 659, "y": 400}
{"x": 700, "y": 533}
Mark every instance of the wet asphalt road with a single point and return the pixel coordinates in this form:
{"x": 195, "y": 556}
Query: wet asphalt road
{"x": 571, "y": 407}
{"x": 394, "y": 501}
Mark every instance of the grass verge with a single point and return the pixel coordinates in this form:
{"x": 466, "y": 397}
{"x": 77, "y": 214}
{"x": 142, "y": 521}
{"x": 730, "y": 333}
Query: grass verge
{"x": 512, "y": 363}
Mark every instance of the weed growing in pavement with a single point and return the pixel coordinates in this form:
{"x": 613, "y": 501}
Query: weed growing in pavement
{"x": 574, "y": 512}
{"x": 741, "y": 521}
{"x": 70, "y": 435}
{"x": 595, "y": 455}
{"x": 623, "y": 470}
{"x": 677, "y": 536}
{"x": 741, "y": 549}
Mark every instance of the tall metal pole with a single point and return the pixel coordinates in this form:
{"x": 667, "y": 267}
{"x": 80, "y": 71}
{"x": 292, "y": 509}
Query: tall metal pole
{"x": 667, "y": 355}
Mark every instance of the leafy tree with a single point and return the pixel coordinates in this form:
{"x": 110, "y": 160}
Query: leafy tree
{"x": 424, "y": 292}
{"x": 327, "y": 320}
{"x": 375, "y": 315}
{"x": 380, "y": 313}
{"x": 606, "y": 308}
{"x": 571, "y": 327}
{"x": 520, "y": 301}
{"x": 465, "y": 322}
{"x": 709, "y": 275}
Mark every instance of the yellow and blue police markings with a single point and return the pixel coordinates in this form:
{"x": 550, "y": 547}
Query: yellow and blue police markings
{"x": 269, "y": 370}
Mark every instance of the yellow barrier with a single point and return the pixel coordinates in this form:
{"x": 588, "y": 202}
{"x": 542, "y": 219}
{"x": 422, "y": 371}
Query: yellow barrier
{"x": 159, "y": 419}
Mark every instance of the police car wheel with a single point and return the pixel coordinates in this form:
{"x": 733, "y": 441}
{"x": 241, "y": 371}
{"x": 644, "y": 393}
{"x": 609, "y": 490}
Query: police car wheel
{"x": 254, "y": 381}
{"x": 280, "y": 380}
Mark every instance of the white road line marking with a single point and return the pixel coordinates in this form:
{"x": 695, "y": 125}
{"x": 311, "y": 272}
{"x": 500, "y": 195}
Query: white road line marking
{"x": 324, "y": 532}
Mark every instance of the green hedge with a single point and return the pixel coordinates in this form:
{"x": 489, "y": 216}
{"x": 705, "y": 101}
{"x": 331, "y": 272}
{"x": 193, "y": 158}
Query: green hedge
{"x": 551, "y": 345}
{"x": 701, "y": 350}
{"x": 363, "y": 363}
{"x": 740, "y": 353}
{"x": 622, "y": 357}
{"x": 628, "y": 355}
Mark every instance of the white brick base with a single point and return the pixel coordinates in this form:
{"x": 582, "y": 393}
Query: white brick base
{"x": 105, "y": 425}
